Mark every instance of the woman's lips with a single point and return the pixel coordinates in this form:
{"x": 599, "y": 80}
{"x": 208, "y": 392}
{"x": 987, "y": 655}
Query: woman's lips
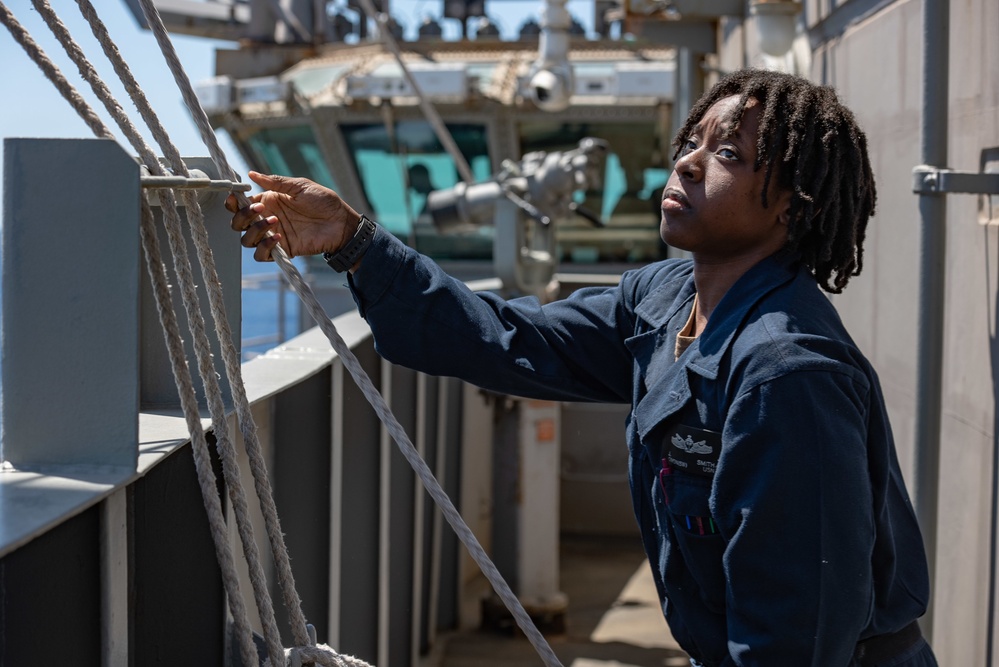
{"x": 674, "y": 200}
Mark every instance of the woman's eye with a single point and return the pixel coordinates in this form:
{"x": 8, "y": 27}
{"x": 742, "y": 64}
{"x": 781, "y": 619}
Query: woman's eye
{"x": 688, "y": 147}
{"x": 728, "y": 153}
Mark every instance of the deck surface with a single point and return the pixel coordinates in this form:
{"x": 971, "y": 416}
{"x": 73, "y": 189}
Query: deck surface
{"x": 613, "y": 617}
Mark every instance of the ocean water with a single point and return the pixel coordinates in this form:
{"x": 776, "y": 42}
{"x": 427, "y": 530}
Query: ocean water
{"x": 261, "y": 307}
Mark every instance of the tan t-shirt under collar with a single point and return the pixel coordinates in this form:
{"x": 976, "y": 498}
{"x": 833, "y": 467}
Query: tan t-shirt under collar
{"x": 686, "y": 335}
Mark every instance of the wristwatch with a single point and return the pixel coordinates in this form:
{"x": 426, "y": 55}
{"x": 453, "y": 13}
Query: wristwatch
{"x": 348, "y": 255}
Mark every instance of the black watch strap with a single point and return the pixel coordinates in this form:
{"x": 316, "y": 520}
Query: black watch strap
{"x": 347, "y": 256}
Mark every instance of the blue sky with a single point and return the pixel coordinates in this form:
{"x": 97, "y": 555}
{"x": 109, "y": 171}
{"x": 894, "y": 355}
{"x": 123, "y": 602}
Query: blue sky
{"x": 34, "y": 108}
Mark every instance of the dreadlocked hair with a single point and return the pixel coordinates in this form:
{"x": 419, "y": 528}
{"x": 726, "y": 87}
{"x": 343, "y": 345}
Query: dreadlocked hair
{"x": 818, "y": 153}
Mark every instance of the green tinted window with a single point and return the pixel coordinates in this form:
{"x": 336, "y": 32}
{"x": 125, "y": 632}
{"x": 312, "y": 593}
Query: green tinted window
{"x": 398, "y": 171}
{"x": 291, "y": 151}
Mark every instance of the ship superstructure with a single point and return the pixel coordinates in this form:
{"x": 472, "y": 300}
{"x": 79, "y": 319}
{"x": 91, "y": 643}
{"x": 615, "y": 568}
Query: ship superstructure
{"x": 123, "y": 548}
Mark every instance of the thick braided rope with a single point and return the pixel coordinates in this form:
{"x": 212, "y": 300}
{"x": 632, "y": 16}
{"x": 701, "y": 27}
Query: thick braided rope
{"x": 321, "y": 654}
{"x": 157, "y": 271}
{"x": 202, "y": 459}
{"x": 350, "y": 361}
{"x": 53, "y": 74}
{"x": 171, "y": 329}
{"x": 230, "y": 355}
{"x": 202, "y": 344}
{"x": 194, "y": 107}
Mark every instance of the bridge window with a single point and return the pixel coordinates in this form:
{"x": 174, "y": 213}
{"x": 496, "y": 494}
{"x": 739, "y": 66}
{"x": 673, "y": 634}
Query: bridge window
{"x": 397, "y": 170}
{"x": 291, "y": 151}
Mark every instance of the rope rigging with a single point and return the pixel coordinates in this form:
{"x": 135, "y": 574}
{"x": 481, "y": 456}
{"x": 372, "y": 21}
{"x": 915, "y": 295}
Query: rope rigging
{"x": 305, "y": 651}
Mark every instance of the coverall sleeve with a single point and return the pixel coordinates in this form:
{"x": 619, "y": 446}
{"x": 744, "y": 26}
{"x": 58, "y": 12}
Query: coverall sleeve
{"x": 424, "y": 319}
{"x": 793, "y": 495}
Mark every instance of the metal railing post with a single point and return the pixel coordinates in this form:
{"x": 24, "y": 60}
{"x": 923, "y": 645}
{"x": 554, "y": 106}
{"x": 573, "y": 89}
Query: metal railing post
{"x": 158, "y": 387}
{"x": 71, "y": 304}
{"x": 933, "y": 251}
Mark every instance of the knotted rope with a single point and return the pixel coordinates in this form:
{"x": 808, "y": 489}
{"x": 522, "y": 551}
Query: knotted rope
{"x": 304, "y": 653}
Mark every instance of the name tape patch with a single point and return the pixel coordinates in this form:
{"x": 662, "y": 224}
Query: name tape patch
{"x": 693, "y": 450}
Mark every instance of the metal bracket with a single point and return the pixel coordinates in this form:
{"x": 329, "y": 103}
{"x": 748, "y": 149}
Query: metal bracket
{"x": 199, "y": 180}
{"x": 928, "y": 180}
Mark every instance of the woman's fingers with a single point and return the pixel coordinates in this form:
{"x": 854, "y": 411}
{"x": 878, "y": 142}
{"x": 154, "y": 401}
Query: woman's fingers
{"x": 232, "y": 203}
{"x": 265, "y": 247}
{"x": 256, "y": 231}
{"x": 245, "y": 217}
{"x": 283, "y": 184}
{"x": 312, "y": 216}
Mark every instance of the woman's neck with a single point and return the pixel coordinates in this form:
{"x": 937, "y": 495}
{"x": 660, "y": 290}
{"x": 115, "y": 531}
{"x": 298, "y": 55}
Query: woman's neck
{"x": 712, "y": 280}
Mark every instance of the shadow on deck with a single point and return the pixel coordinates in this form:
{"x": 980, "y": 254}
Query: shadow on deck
{"x": 613, "y": 619}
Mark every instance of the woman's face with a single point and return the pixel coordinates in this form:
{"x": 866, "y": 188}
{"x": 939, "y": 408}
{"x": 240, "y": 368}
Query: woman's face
{"x": 712, "y": 202}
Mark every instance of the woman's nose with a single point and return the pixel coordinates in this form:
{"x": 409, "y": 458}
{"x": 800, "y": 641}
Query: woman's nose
{"x": 688, "y": 167}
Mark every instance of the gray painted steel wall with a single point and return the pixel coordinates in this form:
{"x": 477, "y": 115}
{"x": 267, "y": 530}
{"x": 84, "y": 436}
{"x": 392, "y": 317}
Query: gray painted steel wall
{"x": 377, "y": 574}
{"x": 158, "y": 390}
{"x": 71, "y": 303}
{"x": 870, "y": 51}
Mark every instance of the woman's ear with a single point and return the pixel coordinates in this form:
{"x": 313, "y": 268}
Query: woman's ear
{"x": 783, "y": 207}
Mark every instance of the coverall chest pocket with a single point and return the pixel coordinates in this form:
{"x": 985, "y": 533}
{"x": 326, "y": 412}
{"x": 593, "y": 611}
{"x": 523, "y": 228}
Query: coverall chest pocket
{"x": 696, "y": 533}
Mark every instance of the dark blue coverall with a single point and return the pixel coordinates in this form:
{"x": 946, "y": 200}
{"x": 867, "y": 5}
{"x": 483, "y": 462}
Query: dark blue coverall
{"x": 763, "y": 472}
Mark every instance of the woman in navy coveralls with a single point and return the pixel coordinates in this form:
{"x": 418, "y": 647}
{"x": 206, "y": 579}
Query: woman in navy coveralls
{"x": 763, "y": 471}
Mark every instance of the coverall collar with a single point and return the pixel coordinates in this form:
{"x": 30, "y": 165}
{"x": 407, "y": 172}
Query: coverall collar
{"x": 664, "y": 309}
{"x": 705, "y": 357}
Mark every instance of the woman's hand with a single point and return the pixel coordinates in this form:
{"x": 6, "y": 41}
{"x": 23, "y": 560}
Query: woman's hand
{"x": 303, "y": 216}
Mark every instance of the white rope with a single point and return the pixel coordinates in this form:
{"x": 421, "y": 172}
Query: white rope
{"x": 321, "y": 654}
{"x": 230, "y": 355}
{"x": 202, "y": 344}
{"x": 201, "y": 341}
{"x": 202, "y": 460}
{"x": 161, "y": 289}
{"x": 53, "y": 74}
{"x": 350, "y": 362}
